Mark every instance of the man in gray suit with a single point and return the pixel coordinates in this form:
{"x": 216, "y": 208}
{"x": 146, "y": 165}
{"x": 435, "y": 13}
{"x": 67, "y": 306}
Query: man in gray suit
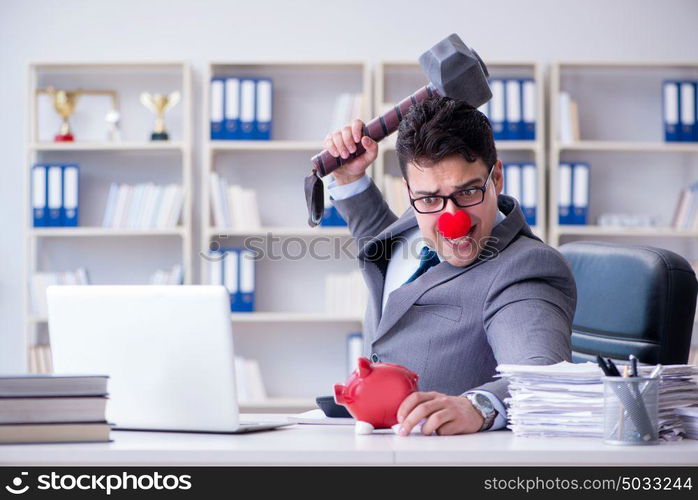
{"x": 451, "y": 309}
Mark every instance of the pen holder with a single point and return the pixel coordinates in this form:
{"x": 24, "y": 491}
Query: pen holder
{"x": 630, "y": 410}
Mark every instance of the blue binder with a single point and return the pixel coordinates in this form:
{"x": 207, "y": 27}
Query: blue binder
{"x": 247, "y": 109}
{"x": 564, "y": 207}
{"x": 39, "y": 196}
{"x": 54, "y": 181}
{"x": 71, "y": 189}
{"x": 671, "y": 111}
{"x": 687, "y": 114}
{"x": 580, "y": 193}
{"x": 232, "y": 108}
{"x": 529, "y": 192}
{"x": 263, "y": 109}
{"x": 528, "y": 109}
{"x": 246, "y": 276}
{"x": 231, "y": 276}
{"x": 498, "y": 109}
{"x": 513, "y": 118}
{"x": 217, "y": 109}
{"x": 331, "y": 217}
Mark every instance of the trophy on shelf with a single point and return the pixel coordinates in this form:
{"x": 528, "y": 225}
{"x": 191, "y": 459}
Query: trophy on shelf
{"x": 65, "y": 101}
{"x": 158, "y": 104}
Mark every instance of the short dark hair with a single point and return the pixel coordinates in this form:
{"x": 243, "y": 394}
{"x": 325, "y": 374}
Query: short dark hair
{"x": 440, "y": 127}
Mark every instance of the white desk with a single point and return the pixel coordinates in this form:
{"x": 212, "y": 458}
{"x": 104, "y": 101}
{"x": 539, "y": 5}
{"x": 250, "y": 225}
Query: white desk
{"x": 338, "y": 445}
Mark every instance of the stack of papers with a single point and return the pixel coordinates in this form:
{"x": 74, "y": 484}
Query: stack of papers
{"x": 689, "y": 418}
{"x": 566, "y": 399}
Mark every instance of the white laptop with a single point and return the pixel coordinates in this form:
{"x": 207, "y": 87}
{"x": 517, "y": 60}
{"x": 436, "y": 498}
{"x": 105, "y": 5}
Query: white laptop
{"x": 168, "y": 351}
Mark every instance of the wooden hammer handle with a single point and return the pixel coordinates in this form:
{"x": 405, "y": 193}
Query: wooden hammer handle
{"x": 377, "y": 129}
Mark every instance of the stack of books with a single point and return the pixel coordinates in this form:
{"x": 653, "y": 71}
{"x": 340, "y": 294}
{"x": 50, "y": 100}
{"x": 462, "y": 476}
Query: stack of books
{"x": 346, "y": 107}
{"x": 143, "y": 206}
{"x": 396, "y": 194}
{"x": 345, "y": 294}
{"x": 248, "y": 381}
{"x": 569, "y": 119}
{"x": 40, "y": 281}
{"x": 53, "y": 409}
{"x": 566, "y": 399}
{"x": 686, "y": 213}
{"x": 233, "y": 206}
{"x": 173, "y": 276}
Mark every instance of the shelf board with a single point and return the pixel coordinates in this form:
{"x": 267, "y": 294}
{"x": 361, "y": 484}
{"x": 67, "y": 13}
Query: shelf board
{"x": 292, "y": 317}
{"x": 625, "y": 231}
{"x": 500, "y": 145}
{"x": 69, "y": 232}
{"x": 281, "y": 231}
{"x": 630, "y": 146}
{"x": 107, "y": 146}
{"x": 309, "y": 146}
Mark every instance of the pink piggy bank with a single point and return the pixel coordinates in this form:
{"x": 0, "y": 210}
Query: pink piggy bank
{"x": 374, "y": 393}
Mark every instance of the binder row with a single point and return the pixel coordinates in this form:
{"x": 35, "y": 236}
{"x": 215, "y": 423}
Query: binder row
{"x": 573, "y": 199}
{"x": 679, "y": 105}
{"x": 55, "y": 195}
{"x": 521, "y": 182}
{"x": 241, "y": 109}
{"x": 234, "y": 268}
{"x": 143, "y": 206}
{"x": 512, "y": 109}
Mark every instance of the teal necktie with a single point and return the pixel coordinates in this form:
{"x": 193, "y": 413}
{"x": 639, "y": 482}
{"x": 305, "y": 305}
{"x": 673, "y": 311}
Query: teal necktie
{"x": 427, "y": 259}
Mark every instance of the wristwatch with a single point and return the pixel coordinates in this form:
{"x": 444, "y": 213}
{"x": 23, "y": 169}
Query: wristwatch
{"x": 483, "y": 404}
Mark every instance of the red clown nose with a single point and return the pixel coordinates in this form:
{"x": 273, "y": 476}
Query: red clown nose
{"x": 454, "y": 226}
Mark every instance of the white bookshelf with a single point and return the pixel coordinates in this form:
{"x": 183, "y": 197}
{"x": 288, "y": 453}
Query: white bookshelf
{"x": 111, "y": 256}
{"x": 632, "y": 169}
{"x": 300, "y": 348}
{"x": 396, "y": 80}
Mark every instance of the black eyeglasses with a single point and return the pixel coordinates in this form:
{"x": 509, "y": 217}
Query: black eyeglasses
{"x": 467, "y": 197}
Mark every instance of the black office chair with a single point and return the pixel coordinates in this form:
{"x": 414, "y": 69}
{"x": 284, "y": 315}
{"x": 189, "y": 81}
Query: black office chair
{"x": 631, "y": 300}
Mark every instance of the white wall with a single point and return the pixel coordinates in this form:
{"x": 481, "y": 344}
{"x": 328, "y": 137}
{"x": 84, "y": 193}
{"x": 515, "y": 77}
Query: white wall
{"x": 45, "y": 30}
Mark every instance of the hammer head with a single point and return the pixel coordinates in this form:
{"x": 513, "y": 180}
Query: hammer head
{"x": 457, "y": 71}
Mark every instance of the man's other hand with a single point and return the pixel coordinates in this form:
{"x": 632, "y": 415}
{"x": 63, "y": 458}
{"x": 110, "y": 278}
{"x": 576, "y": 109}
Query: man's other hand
{"x": 442, "y": 414}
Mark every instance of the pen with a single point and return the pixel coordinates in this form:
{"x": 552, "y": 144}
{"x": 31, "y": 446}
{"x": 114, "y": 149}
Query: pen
{"x": 633, "y": 364}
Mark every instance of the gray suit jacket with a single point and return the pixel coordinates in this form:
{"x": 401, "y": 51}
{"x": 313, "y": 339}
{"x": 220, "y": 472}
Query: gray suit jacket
{"x": 453, "y": 325}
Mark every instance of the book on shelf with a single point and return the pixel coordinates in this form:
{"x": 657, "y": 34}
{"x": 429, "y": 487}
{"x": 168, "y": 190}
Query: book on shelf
{"x": 53, "y": 408}
{"x": 40, "y": 359}
{"x": 241, "y": 108}
{"x": 55, "y": 195}
{"x": 512, "y": 109}
{"x": 41, "y": 280}
{"x": 248, "y": 381}
{"x": 396, "y": 194}
{"x": 347, "y": 106}
{"x": 233, "y": 206}
{"x": 355, "y": 349}
{"x": 143, "y": 206}
{"x": 172, "y": 276}
{"x": 679, "y": 110}
{"x": 346, "y": 294}
{"x": 569, "y": 119}
{"x": 686, "y": 212}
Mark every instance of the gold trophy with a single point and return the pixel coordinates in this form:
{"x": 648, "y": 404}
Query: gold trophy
{"x": 158, "y": 104}
{"x": 65, "y": 101}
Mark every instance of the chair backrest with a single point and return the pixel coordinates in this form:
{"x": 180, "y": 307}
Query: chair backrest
{"x": 631, "y": 300}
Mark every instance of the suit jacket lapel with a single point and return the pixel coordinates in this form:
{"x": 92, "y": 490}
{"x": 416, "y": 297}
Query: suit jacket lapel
{"x": 401, "y": 299}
